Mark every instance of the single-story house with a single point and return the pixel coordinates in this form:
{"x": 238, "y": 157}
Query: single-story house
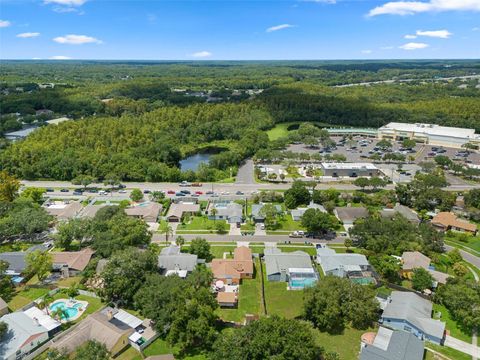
{"x": 225, "y": 210}
{"x": 352, "y": 266}
{"x": 294, "y": 267}
{"x": 335, "y": 169}
{"x": 3, "y": 307}
{"x": 63, "y": 210}
{"x": 410, "y": 312}
{"x": 74, "y": 261}
{"x": 172, "y": 261}
{"x": 148, "y": 212}
{"x": 349, "y": 214}
{"x": 412, "y": 260}
{"x": 16, "y": 260}
{"x": 404, "y": 211}
{"x": 256, "y": 215}
{"x": 231, "y": 271}
{"x": 27, "y": 330}
{"x": 449, "y": 221}
{"x": 177, "y": 211}
{"x": 298, "y": 213}
{"x": 100, "y": 326}
{"x": 390, "y": 344}
{"x": 90, "y": 211}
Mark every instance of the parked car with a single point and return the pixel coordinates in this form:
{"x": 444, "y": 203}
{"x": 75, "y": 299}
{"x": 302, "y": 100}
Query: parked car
{"x": 64, "y": 190}
{"x": 123, "y": 191}
{"x": 196, "y": 184}
{"x": 184, "y": 183}
{"x": 171, "y": 192}
{"x": 198, "y": 193}
{"x": 49, "y": 190}
{"x": 146, "y": 191}
{"x": 185, "y": 192}
{"x": 77, "y": 192}
{"x": 209, "y": 193}
{"x": 239, "y": 193}
{"x": 102, "y": 192}
{"x": 295, "y": 234}
{"x": 179, "y": 194}
{"x": 121, "y": 186}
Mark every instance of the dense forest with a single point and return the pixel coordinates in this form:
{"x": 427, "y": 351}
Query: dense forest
{"x": 137, "y": 120}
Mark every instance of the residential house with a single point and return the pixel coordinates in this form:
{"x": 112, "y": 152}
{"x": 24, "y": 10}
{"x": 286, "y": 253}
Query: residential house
{"x": 100, "y": 326}
{"x": 412, "y": 260}
{"x": 293, "y": 267}
{"x": 389, "y": 344}
{"x": 26, "y": 332}
{"x": 348, "y": 215}
{"x": 231, "y": 271}
{"x": 177, "y": 211}
{"x": 3, "y": 307}
{"x": 63, "y": 210}
{"x": 70, "y": 263}
{"x": 410, "y": 312}
{"x": 298, "y": 213}
{"x": 449, "y": 221}
{"x": 16, "y": 260}
{"x": 225, "y": 210}
{"x": 148, "y": 212}
{"x": 402, "y": 210}
{"x": 90, "y": 210}
{"x": 171, "y": 261}
{"x": 351, "y": 266}
{"x": 256, "y": 212}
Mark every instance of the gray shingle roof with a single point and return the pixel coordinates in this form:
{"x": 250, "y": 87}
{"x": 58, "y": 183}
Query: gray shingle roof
{"x": 410, "y": 307}
{"x": 332, "y": 262}
{"x": 393, "y": 345}
{"x": 276, "y": 261}
{"x": 15, "y": 260}
{"x": 257, "y": 207}
{"x": 171, "y": 258}
{"x": 350, "y": 214}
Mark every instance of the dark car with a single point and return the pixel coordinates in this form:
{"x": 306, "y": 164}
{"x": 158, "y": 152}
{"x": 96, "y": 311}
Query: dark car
{"x": 77, "y": 192}
{"x": 239, "y": 193}
{"x": 121, "y": 186}
{"x": 179, "y": 194}
{"x": 49, "y": 190}
{"x": 185, "y": 191}
{"x": 209, "y": 193}
{"x": 146, "y": 191}
{"x": 64, "y": 190}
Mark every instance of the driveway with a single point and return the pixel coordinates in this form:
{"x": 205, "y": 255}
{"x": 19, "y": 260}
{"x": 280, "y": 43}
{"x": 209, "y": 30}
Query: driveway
{"x": 462, "y": 346}
{"x": 234, "y": 230}
{"x": 259, "y": 231}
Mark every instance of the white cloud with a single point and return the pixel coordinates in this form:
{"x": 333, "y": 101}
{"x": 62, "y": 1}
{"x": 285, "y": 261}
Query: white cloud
{"x": 202, "y": 54}
{"x": 442, "y": 34}
{"x": 410, "y": 37}
{"x": 28, "y": 35}
{"x": 76, "y": 39}
{"x": 60, "y": 57}
{"x": 66, "y": 2}
{"x": 415, "y": 7}
{"x": 413, "y": 46}
{"x": 366, "y": 52}
{"x": 279, "y": 27}
{"x": 5, "y": 23}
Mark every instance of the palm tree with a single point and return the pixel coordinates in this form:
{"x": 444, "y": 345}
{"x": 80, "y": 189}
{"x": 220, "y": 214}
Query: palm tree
{"x": 213, "y": 212}
{"x": 60, "y": 313}
{"x": 44, "y": 304}
{"x": 166, "y": 229}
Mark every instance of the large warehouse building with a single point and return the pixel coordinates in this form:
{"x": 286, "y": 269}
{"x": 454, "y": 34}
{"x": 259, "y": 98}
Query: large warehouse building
{"x": 429, "y": 134}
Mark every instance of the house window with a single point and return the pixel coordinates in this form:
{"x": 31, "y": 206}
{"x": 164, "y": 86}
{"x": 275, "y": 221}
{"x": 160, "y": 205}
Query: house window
{"x": 407, "y": 328}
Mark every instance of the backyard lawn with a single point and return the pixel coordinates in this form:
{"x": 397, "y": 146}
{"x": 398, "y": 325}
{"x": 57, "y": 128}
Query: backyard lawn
{"x": 451, "y": 325}
{"x": 280, "y": 301}
{"x": 249, "y": 301}
{"x": 199, "y": 223}
{"x": 347, "y": 345}
{"x": 26, "y": 296}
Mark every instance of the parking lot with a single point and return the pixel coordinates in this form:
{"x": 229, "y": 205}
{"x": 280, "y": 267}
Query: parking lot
{"x": 427, "y": 154}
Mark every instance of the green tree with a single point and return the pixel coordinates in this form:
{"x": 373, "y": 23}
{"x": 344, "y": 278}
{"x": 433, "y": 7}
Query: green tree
{"x": 269, "y": 338}
{"x": 376, "y": 182}
{"x": 6, "y": 286}
{"x": 472, "y": 198}
{"x": 34, "y": 193}
{"x": 136, "y": 195}
{"x": 443, "y": 161}
{"x": 409, "y": 143}
{"x": 316, "y": 221}
{"x": 421, "y": 279}
{"x": 348, "y": 244}
{"x": 387, "y": 266}
{"x": 158, "y": 196}
{"x": 3, "y": 329}
{"x": 83, "y": 180}
{"x": 361, "y": 182}
{"x": 92, "y": 350}
{"x": 221, "y": 227}
{"x": 384, "y": 144}
{"x": 460, "y": 270}
{"x": 180, "y": 240}
{"x": 269, "y": 213}
{"x": 297, "y": 195}
{"x": 125, "y": 273}
{"x": 73, "y": 230}
{"x": 166, "y": 229}
{"x": 201, "y": 248}
{"x": 9, "y": 186}
{"x": 39, "y": 263}
{"x": 455, "y": 256}
{"x": 334, "y": 303}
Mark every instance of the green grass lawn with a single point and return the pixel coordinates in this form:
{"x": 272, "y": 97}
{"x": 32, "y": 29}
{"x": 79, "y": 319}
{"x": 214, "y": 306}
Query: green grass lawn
{"x": 449, "y": 352}
{"x": 129, "y": 354}
{"x": 26, "y": 296}
{"x": 199, "y": 223}
{"x": 280, "y": 130}
{"x": 451, "y": 325}
{"x": 280, "y": 301}
{"x": 161, "y": 347}
{"x": 347, "y": 345}
{"x": 287, "y": 223}
{"x": 249, "y": 301}
{"x": 473, "y": 243}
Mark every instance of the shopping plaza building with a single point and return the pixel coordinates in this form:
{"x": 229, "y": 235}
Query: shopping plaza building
{"x": 429, "y": 134}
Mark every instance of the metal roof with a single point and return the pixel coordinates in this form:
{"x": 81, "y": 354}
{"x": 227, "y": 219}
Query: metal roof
{"x": 128, "y": 318}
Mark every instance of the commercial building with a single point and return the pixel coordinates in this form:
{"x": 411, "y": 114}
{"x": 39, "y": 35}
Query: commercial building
{"x": 409, "y": 312}
{"x": 335, "y": 169}
{"x": 429, "y": 134}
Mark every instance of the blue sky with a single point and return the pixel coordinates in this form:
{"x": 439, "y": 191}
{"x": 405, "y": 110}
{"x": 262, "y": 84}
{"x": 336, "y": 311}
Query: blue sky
{"x": 239, "y": 30}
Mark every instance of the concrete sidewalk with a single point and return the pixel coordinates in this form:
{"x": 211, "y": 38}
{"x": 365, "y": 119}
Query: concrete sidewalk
{"x": 462, "y": 346}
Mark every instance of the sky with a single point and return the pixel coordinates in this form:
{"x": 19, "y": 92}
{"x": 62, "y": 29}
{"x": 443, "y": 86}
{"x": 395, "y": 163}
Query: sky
{"x": 239, "y": 30}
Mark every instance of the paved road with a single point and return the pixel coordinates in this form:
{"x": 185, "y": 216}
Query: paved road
{"x": 281, "y": 239}
{"x": 245, "y": 174}
{"x": 472, "y": 259}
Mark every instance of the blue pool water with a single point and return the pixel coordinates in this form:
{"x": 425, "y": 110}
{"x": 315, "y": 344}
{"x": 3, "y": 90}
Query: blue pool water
{"x": 70, "y": 312}
{"x": 302, "y": 283}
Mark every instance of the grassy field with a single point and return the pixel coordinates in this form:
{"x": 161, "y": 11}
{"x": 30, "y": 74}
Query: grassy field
{"x": 249, "y": 301}
{"x": 451, "y": 325}
{"x": 280, "y": 130}
{"x": 280, "y": 301}
{"x": 25, "y": 296}
{"x": 472, "y": 243}
{"x": 199, "y": 223}
{"x": 161, "y": 347}
{"x": 347, "y": 345}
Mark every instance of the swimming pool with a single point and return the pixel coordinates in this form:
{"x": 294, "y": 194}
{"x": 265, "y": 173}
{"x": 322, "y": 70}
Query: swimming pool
{"x": 302, "y": 283}
{"x": 70, "y": 311}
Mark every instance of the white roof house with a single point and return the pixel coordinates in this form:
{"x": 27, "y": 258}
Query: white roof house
{"x": 43, "y": 319}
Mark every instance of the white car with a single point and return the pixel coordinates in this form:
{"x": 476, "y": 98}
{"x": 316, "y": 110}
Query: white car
{"x": 122, "y": 191}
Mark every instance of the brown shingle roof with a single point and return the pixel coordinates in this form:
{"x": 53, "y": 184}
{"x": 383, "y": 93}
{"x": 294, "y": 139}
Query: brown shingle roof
{"x": 448, "y": 220}
{"x": 148, "y": 212}
{"x": 76, "y": 260}
{"x": 241, "y": 264}
{"x": 226, "y": 297}
{"x": 414, "y": 260}
{"x": 178, "y": 210}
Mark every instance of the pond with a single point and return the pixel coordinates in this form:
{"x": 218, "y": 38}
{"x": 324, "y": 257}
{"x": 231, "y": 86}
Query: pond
{"x": 192, "y": 162}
